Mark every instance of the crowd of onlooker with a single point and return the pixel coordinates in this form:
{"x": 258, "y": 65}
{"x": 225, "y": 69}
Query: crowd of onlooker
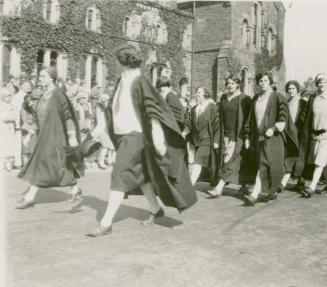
{"x": 18, "y": 131}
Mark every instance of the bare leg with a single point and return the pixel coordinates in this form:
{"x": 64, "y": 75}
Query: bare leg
{"x": 115, "y": 199}
{"x": 102, "y": 154}
{"x": 285, "y": 179}
{"x": 316, "y": 177}
{"x": 257, "y": 186}
{"x": 150, "y": 196}
{"x": 195, "y": 173}
{"x": 30, "y": 195}
{"x": 218, "y": 189}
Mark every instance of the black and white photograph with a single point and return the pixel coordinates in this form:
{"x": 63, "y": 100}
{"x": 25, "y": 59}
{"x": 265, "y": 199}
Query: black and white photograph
{"x": 163, "y": 143}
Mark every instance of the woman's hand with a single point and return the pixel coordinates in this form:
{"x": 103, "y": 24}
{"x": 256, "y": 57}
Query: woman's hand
{"x": 161, "y": 149}
{"x": 215, "y": 145}
{"x": 72, "y": 142}
{"x": 269, "y": 132}
{"x": 247, "y": 144}
{"x": 26, "y": 139}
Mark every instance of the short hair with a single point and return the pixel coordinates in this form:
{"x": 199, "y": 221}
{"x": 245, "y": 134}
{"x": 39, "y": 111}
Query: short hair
{"x": 206, "y": 93}
{"x": 163, "y": 81}
{"x": 319, "y": 78}
{"x": 261, "y": 75}
{"x": 183, "y": 81}
{"x": 293, "y": 82}
{"x": 129, "y": 56}
{"x": 237, "y": 80}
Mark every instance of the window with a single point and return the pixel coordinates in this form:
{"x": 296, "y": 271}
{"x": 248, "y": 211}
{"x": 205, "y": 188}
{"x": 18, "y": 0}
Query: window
{"x": 245, "y": 34}
{"x": 93, "y": 19}
{"x": 1, "y": 6}
{"x": 127, "y": 25}
{"x": 53, "y": 58}
{"x": 5, "y": 63}
{"x": 255, "y": 27}
{"x": 270, "y": 40}
{"x": 246, "y": 81}
{"x": 51, "y": 11}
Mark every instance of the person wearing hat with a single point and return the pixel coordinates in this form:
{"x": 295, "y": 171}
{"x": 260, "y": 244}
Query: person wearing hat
{"x": 313, "y": 143}
{"x": 83, "y": 110}
{"x": 7, "y": 129}
{"x": 149, "y": 145}
{"x": 48, "y": 166}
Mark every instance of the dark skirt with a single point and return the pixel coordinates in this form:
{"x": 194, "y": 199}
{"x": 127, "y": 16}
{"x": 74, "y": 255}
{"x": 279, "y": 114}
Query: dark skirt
{"x": 129, "y": 169}
{"x": 202, "y": 155}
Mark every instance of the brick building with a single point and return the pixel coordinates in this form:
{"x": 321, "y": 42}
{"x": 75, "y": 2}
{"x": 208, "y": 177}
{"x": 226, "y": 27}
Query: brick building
{"x": 80, "y": 38}
{"x": 229, "y": 37}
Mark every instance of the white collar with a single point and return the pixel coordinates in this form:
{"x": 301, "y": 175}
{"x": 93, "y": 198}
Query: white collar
{"x": 234, "y": 95}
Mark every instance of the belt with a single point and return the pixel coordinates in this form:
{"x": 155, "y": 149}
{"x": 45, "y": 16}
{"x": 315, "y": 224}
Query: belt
{"x": 318, "y": 132}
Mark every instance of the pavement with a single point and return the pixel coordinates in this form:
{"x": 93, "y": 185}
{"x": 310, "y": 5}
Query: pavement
{"x": 218, "y": 242}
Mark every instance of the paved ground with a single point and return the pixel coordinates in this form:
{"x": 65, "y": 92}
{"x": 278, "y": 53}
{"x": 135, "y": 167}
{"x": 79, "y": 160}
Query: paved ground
{"x": 218, "y": 242}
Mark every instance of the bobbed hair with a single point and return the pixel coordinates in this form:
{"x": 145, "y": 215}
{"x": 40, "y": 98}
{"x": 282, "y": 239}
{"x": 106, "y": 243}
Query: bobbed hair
{"x": 129, "y": 56}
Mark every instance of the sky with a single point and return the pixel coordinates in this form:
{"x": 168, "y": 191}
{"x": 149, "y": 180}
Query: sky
{"x": 305, "y": 42}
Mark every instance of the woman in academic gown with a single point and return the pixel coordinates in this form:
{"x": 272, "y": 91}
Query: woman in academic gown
{"x": 233, "y": 110}
{"x": 149, "y": 144}
{"x": 57, "y": 128}
{"x": 202, "y": 130}
{"x": 269, "y": 130}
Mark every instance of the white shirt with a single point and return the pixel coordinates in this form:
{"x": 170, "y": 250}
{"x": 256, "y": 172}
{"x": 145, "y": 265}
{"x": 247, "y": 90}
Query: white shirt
{"x": 260, "y": 109}
{"x": 17, "y": 102}
{"x": 320, "y": 112}
{"x": 124, "y": 116}
{"x": 293, "y": 105}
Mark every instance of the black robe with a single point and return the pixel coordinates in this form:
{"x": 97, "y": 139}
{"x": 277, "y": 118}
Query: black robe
{"x": 235, "y": 170}
{"x": 169, "y": 174}
{"x": 270, "y": 153}
{"x": 48, "y": 166}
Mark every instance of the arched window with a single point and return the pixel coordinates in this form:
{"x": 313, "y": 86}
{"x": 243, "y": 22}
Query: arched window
{"x": 2, "y": 6}
{"x": 93, "y": 19}
{"x": 48, "y": 10}
{"x": 245, "y": 34}
{"x": 127, "y": 26}
{"x": 5, "y": 63}
{"x": 256, "y": 24}
{"x": 51, "y": 11}
{"x": 53, "y": 58}
{"x": 246, "y": 81}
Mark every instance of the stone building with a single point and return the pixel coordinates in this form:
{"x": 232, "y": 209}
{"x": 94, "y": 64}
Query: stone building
{"x": 80, "y": 38}
{"x": 243, "y": 37}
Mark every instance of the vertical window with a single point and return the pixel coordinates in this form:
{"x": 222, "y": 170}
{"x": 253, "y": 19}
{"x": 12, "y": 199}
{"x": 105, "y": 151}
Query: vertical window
{"x": 53, "y": 58}
{"x": 270, "y": 40}
{"x": 255, "y": 27}
{"x": 1, "y": 6}
{"x": 48, "y": 10}
{"x": 245, "y": 34}
{"x": 126, "y": 26}
{"x": 5, "y": 63}
{"x": 89, "y": 19}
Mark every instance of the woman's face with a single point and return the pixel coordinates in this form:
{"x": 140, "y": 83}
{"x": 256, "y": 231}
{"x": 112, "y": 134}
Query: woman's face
{"x": 264, "y": 83}
{"x": 45, "y": 78}
{"x": 292, "y": 91}
{"x": 199, "y": 95}
{"x": 322, "y": 85}
{"x": 231, "y": 86}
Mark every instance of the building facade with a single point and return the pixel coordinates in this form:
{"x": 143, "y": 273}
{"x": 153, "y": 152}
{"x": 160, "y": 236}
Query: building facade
{"x": 236, "y": 37}
{"x": 80, "y": 38}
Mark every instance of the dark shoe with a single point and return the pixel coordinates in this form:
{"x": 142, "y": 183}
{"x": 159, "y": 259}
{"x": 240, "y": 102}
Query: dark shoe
{"x": 250, "y": 200}
{"x": 280, "y": 188}
{"x": 100, "y": 231}
{"x": 75, "y": 197}
{"x": 307, "y": 192}
{"x": 25, "y": 204}
{"x": 268, "y": 197}
{"x": 299, "y": 185}
{"x": 153, "y": 216}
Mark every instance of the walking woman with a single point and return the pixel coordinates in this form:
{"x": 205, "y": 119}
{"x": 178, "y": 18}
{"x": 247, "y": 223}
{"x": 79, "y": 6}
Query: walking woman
{"x": 234, "y": 109}
{"x": 149, "y": 145}
{"x": 269, "y": 131}
{"x": 297, "y": 108}
{"x": 57, "y": 128}
{"x": 202, "y": 126}
{"x": 314, "y": 140}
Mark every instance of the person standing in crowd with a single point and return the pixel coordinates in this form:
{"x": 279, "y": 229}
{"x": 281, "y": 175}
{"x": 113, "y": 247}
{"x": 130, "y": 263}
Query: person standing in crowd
{"x": 17, "y": 102}
{"x": 313, "y": 142}
{"x": 94, "y": 100}
{"x": 57, "y": 128}
{"x": 149, "y": 144}
{"x": 83, "y": 111}
{"x": 29, "y": 124}
{"x": 269, "y": 130}
{"x": 7, "y": 129}
{"x": 297, "y": 108}
{"x": 100, "y": 131}
{"x": 13, "y": 85}
{"x": 176, "y": 107}
{"x": 184, "y": 93}
{"x": 202, "y": 129}
{"x": 234, "y": 109}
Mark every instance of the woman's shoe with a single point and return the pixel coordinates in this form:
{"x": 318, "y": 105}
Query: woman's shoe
{"x": 25, "y": 204}
{"x": 215, "y": 193}
{"x": 307, "y": 192}
{"x": 100, "y": 231}
{"x": 153, "y": 216}
{"x": 280, "y": 188}
{"x": 250, "y": 200}
{"x": 74, "y": 197}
